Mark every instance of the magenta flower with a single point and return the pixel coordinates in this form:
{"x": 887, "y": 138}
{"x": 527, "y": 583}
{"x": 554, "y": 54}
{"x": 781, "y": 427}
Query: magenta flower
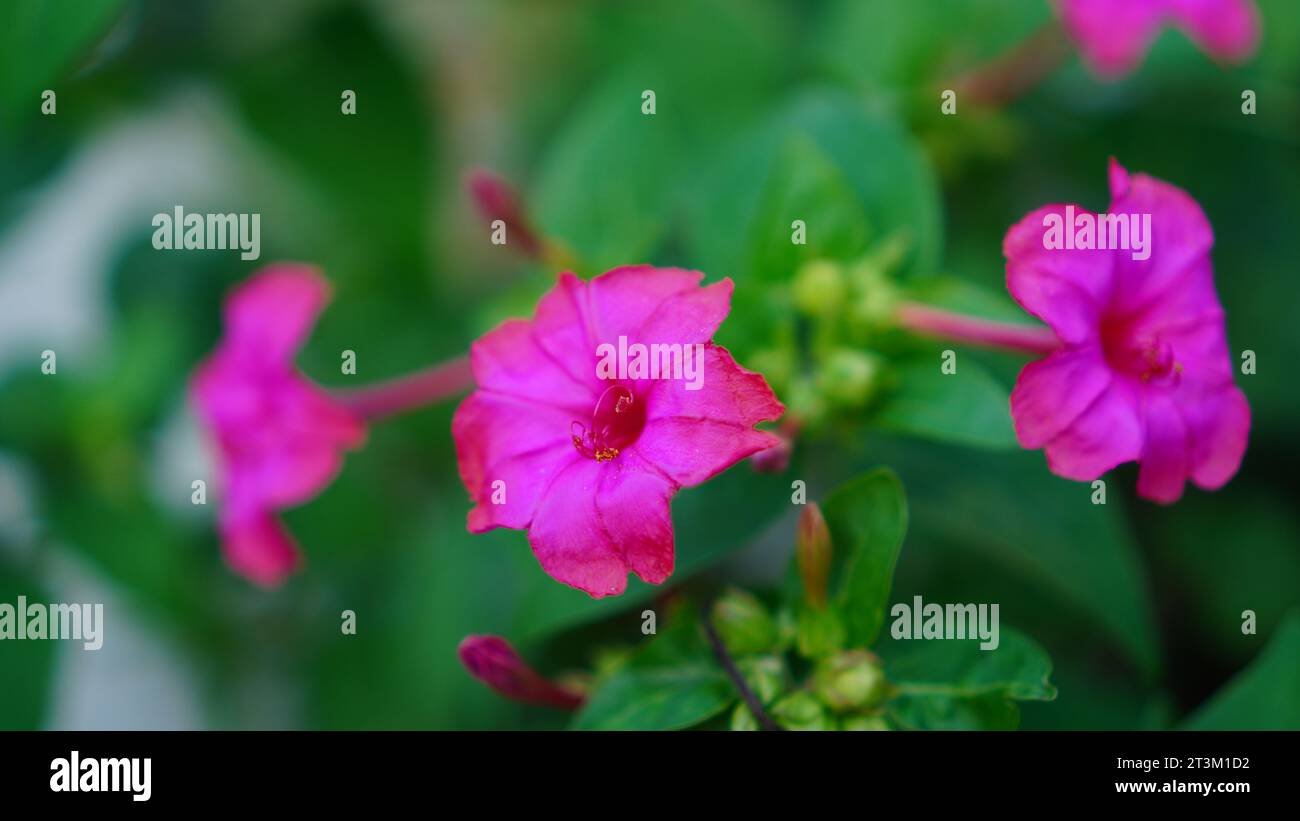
{"x": 1114, "y": 35}
{"x": 278, "y": 436}
{"x": 492, "y": 660}
{"x": 1143, "y": 372}
{"x": 588, "y": 464}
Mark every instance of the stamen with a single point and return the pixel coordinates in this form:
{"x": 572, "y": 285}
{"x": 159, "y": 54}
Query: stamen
{"x": 616, "y": 421}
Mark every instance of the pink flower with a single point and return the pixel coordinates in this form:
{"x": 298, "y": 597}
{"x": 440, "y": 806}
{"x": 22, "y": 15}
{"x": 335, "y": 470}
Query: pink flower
{"x": 1113, "y": 35}
{"x": 588, "y": 465}
{"x": 279, "y": 437}
{"x": 1143, "y": 372}
{"x": 492, "y": 660}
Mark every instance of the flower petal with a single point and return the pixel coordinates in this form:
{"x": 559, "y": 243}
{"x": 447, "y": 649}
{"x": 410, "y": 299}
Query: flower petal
{"x": 1107, "y": 433}
{"x": 1051, "y": 393}
{"x": 624, "y": 299}
{"x": 492, "y": 660}
{"x": 1164, "y": 460}
{"x": 1067, "y": 289}
{"x": 692, "y": 435}
{"x": 1179, "y": 243}
{"x": 633, "y": 508}
{"x": 521, "y": 444}
{"x": 567, "y": 539}
{"x": 269, "y": 315}
{"x": 1227, "y": 29}
{"x": 1112, "y": 35}
{"x": 508, "y": 360}
{"x": 1219, "y": 426}
{"x": 258, "y": 547}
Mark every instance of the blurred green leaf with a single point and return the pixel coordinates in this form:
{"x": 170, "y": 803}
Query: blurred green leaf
{"x": 606, "y": 185}
{"x": 1264, "y": 696}
{"x": 675, "y": 682}
{"x": 947, "y": 713}
{"x": 867, "y": 517}
{"x": 999, "y": 527}
{"x": 1018, "y": 668}
{"x": 955, "y": 685}
{"x": 39, "y": 39}
{"x": 887, "y": 173}
{"x": 968, "y": 407}
{"x": 804, "y": 184}
{"x": 26, "y": 667}
{"x": 892, "y": 47}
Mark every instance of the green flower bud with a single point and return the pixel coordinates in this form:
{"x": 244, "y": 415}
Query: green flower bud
{"x": 743, "y": 623}
{"x": 849, "y": 681}
{"x": 819, "y": 288}
{"x": 874, "y": 296}
{"x": 864, "y": 721}
{"x": 765, "y": 676}
{"x": 813, "y": 554}
{"x": 849, "y": 378}
{"x": 801, "y": 711}
{"x": 819, "y": 633}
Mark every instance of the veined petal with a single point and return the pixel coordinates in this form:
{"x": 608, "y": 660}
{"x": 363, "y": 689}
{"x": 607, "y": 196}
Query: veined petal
{"x": 567, "y": 536}
{"x": 1051, "y": 393}
{"x": 1067, "y": 289}
{"x": 1107, "y": 433}
{"x": 499, "y": 438}
{"x": 1164, "y": 460}
{"x": 692, "y": 435}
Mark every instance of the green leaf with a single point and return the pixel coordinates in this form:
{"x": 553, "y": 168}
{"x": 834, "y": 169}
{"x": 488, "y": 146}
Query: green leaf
{"x": 955, "y": 685}
{"x": 1018, "y": 668}
{"x": 39, "y": 39}
{"x": 675, "y": 682}
{"x": 26, "y": 667}
{"x": 945, "y": 713}
{"x": 605, "y": 186}
{"x": 909, "y": 46}
{"x": 1264, "y": 696}
{"x": 968, "y": 407}
{"x": 999, "y": 527}
{"x": 889, "y": 176}
{"x": 805, "y": 184}
{"x": 867, "y": 517}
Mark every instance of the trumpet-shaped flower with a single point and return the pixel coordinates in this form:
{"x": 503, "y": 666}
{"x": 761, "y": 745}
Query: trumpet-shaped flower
{"x": 1143, "y": 372}
{"x": 587, "y": 457}
{"x": 279, "y": 437}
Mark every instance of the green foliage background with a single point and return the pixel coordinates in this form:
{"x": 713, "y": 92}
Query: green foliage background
{"x": 826, "y": 110}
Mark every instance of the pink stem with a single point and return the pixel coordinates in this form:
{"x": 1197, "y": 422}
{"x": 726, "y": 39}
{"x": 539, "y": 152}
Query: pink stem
{"x": 943, "y": 324}
{"x": 425, "y": 387}
{"x": 1010, "y": 75}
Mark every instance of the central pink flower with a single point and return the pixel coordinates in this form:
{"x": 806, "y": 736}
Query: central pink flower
{"x": 589, "y": 465}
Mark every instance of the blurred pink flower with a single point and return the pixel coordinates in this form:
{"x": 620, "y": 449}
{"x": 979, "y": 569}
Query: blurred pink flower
{"x": 279, "y": 437}
{"x": 587, "y": 465}
{"x": 1143, "y": 372}
{"x": 1114, "y": 35}
{"x": 492, "y": 660}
